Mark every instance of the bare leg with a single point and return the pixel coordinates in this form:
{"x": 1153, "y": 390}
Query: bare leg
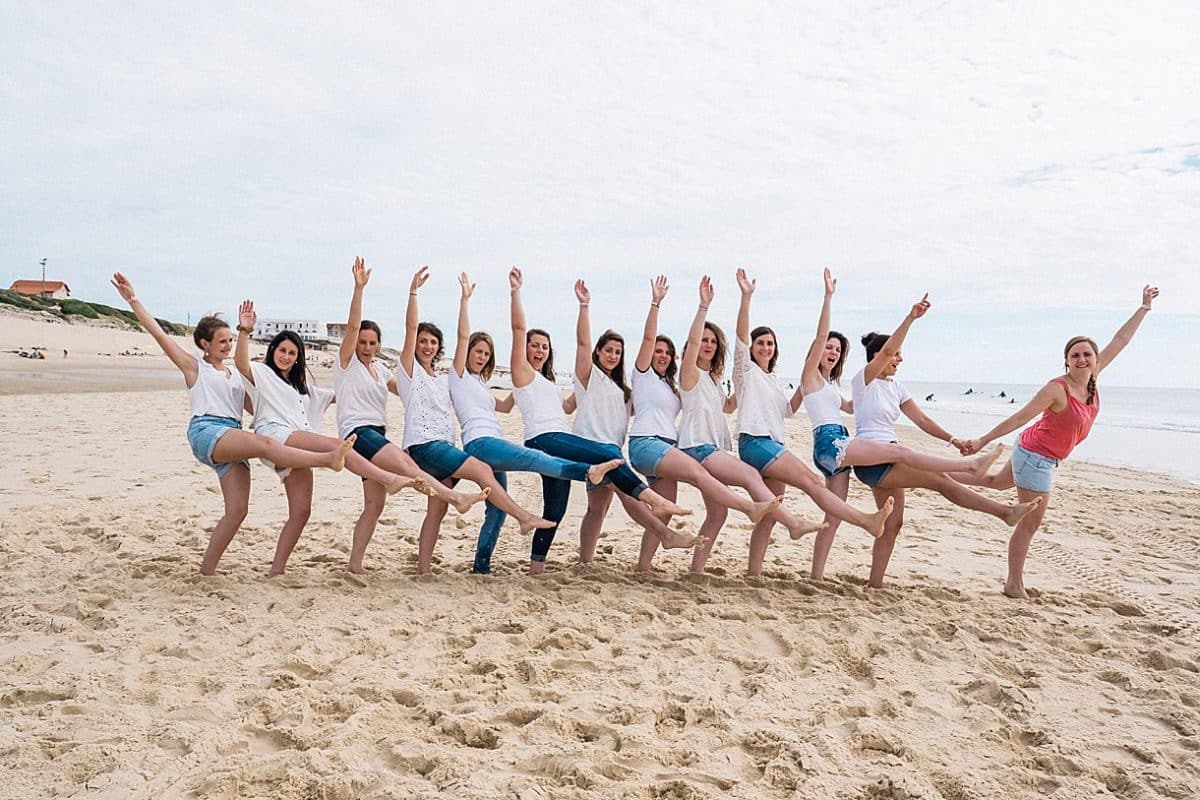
{"x": 668, "y": 489}
{"x": 840, "y": 485}
{"x": 315, "y": 442}
{"x": 239, "y": 445}
{"x": 235, "y": 490}
{"x": 732, "y": 471}
{"x": 901, "y": 476}
{"x": 475, "y": 470}
{"x": 298, "y": 486}
{"x": 679, "y": 466}
{"x": 1001, "y": 480}
{"x": 435, "y": 512}
{"x": 1018, "y": 543}
{"x": 790, "y": 470}
{"x": 598, "y": 500}
{"x": 393, "y": 459}
{"x": 661, "y": 506}
{"x": 881, "y": 551}
{"x": 668, "y": 537}
{"x": 866, "y": 451}
{"x": 760, "y": 537}
{"x": 374, "y": 496}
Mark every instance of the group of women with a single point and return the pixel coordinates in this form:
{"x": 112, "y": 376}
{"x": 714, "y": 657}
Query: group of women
{"x": 673, "y": 410}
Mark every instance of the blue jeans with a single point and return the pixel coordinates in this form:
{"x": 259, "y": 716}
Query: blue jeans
{"x": 576, "y": 448}
{"x": 493, "y": 520}
{"x": 501, "y": 454}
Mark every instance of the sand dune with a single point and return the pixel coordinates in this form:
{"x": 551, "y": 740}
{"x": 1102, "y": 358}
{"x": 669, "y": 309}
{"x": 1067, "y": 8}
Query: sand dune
{"x": 124, "y": 674}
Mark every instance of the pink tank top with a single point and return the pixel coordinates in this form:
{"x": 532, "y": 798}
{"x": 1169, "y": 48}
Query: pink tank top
{"x": 1055, "y": 435}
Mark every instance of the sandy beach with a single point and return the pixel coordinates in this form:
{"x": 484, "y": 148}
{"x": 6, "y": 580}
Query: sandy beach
{"x": 124, "y": 674}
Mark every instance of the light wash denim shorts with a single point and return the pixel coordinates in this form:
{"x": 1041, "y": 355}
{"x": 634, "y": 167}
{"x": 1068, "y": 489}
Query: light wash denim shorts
{"x": 647, "y": 452}
{"x": 1032, "y": 471}
{"x": 759, "y": 452}
{"x": 829, "y": 448}
{"x": 203, "y": 434}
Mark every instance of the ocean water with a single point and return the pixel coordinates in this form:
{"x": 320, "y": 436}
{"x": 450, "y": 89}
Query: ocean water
{"x": 1151, "y": 428}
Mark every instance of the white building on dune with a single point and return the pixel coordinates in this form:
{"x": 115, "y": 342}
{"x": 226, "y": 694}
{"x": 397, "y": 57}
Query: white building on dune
{"x": 310, "y": 330}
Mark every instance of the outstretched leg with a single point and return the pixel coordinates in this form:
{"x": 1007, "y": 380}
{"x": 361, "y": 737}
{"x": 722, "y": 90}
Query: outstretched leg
{"x": 679, "y": 466}
{"x": 480, "y": 473}
{"x": 239, "y": 445}
{"x": 791, "y": 470}
{"x": 393, "y": 482}
{"x": 901, "y": 476}
{"x": 393, "y": 459}
{"x": 864, "y": 452}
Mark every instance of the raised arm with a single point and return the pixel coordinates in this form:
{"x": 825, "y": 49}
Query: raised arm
{"x": 583, "y": 335}
{"x": 658, "y": 290}
{"x": 464, "y": 324}
{"x": 889, "y": 350}
{"x": 1125, "y": 333}
{"x": 179, "y": 357}
{"x": 1049, "y": 395}
{"x": 411, "y": 318}
{"x": 354, "y": 321}
{"x": 689, "y": 370}
{"x": 241, "y": 353}
{"x": 518, "y": 362}
{"x": 811, "y": 377}
{"x": 747, "y": 288}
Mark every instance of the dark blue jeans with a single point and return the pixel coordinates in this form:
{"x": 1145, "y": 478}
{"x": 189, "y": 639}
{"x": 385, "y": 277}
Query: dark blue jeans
{"x": 576, "y": 448}
{"x": 489, "y": 533}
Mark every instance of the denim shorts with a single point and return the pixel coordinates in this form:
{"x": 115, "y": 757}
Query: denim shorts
{"x": 203, "y": 434}
{"x": 759, "y": 452}
{"x": 872, "y": 474}
{"x": 371, "y": 439}
{"x": 440, "y": 459}
{"x": 700, "y": 451}
{"x": 647, "y": 452}
{"x": 1032, "y": 471}
{"x": 829, "y": 448}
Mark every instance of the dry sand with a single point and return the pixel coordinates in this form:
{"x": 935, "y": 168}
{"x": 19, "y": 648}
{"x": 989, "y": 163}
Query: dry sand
{"x": 123, "y": 674}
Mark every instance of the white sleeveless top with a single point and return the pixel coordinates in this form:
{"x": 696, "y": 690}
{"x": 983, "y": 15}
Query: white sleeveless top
{"x": 601, "y": 413}
{"x": 824, "y": 406}
{"x": 762, "y": 402}
{"x": 217, "y": 393}
{"x": 276, "y": 402}
{"x": 428, "y": 412}
{"x": 361, "y": 399}
{"x": 703, "y": 420}
{"x": 475, "y": 406}
{"x": 541, "y": 407}
{"x": 655, "y": 406}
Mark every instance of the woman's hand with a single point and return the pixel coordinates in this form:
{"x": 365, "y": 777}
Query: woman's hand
{"x": 706, "y": 292}
{"x": 246, "y": 316}
{"x": 515, "y": 279}
{"x": 124, "y": 287}
{"x": 745, "y": 284}
{"x": 581, "y": 293}
{"x": 1148, "y": 295}
{"x": 418, "y": 280}
{"x": 920, "y": 307}
{"x": 658, "y": 289}
{"x": 361, "y": 273}
{"x": 468, "y": 288}
{"x": 830, "y": 283}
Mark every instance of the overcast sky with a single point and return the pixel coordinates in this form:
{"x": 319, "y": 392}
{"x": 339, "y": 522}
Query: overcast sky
{"x": 1031, "y": 165}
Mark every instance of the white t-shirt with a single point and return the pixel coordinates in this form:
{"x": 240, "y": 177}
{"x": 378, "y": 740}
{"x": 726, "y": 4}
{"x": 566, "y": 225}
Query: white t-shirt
{"x": 762, "y": 402}
{"x": 428, "y": 412}
{"x": 655, "y": 406}
{"x": 877, "y": 406}
{"x": 277, "y": 402}
{"x": 475, "y": 406}
{"x": 361, "y": 399}
{"x": 703, "y": 420}
{"x": 217, "y": 393}
{"x": 601, "y": 413}
{"x": 541, "y": 407}
{"x": 824, "y": 406}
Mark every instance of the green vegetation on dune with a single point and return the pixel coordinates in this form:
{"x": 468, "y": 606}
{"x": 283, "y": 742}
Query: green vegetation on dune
{"x": 71, "y": 307}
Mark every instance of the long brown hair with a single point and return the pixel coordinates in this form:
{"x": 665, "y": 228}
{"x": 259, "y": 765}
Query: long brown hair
{"x": 668, "y": 375}
{"x": 617, "y": 375}
{"x": 486, "y": 370}
{"x": 1091, "y": 384}
{"x": 716, "y": 367}
{"x": 547, "y": 368}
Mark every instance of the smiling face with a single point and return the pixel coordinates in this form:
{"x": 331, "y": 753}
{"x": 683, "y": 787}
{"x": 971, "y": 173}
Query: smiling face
{"x": 537, "y": 350}
{"x": 285, "y": 356}
{"x": 1081, "y": 358}
{"x": 610, "y": 355}
{"x": 892, "y": 365}
{"x": 762, "y": 349}
{"x": 220, "y": 345}
{"x": 427, "y": 349}
{"x": 662, "y": 358}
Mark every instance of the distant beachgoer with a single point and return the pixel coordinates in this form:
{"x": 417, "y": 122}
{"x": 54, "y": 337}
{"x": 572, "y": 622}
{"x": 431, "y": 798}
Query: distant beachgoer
{"x": 217, "y": 395}
{"x": 929, "y": 397}
{"x": 762, "y": 407}
{"x": 287, "y": 406}
{"x": 1002, "y": 394}
{"x": 64, "y": 352}
{"x": 1069, "y": 405}
{"x": 834, "y": 451}
{"x": 429, "y": 432}
{"x": 361, "y": 383}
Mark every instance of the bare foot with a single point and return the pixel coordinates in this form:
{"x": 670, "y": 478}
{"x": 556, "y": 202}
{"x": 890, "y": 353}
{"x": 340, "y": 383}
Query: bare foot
{"x": 984, "y": 461}
{"x": 275, "y": 573}
{"x": 1016, "y": 591}
{"x": 677, "y": 540}
{"x": 462, "y": 502}
{"x": 761, "y": 509}
{"x": 356, "y": 569}
{"x": 1017, "y": 510}
{"x": 537, "y": 567}
{"x": 661, "y": 507}
{"x": 803, "y": 526}
{"x": 421, "y": 486}
{"x": 338, "y": 457}
{"x": 875, "y": 528}
{"x": 596, "y": 472}
{"x": 532, "y": 523}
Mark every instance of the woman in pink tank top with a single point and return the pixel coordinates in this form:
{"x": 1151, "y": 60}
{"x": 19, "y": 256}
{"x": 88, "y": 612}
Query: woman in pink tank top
{"x": 1068, "y": 406}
